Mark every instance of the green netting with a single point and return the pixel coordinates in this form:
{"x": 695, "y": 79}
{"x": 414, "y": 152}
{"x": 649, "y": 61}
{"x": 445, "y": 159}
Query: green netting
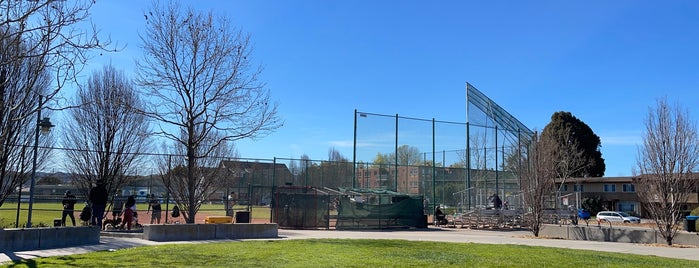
{"x": 378, "y": 209}
{"x": 301, "y": 207}
{"x": 309, "y": 208}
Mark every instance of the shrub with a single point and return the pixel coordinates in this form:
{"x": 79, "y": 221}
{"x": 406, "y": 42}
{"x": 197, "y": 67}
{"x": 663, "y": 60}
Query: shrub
{"x": 592, "y": 204}
{"x": 695, "y": 212}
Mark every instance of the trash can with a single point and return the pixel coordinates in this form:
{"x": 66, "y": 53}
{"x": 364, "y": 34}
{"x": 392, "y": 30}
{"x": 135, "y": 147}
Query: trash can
{"x": 691, "y": 223}
{"x": 242, "y": 217}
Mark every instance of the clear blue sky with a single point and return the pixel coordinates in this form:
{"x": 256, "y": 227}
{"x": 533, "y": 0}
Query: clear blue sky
{"x": 604, "y": 61}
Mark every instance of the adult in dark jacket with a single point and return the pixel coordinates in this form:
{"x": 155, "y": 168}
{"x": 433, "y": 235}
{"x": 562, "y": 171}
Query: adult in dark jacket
{"x": 117, "y": 207}
{"x": 440, "y": 217}
{"x": 68, "y": 208}
{"x": 98, "y": 201}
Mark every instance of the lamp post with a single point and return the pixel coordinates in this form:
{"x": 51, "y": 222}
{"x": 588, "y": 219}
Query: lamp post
{"x": 43, "y": 125}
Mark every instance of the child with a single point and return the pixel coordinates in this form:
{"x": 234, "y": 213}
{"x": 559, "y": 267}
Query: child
{"x": 129, "y": 211}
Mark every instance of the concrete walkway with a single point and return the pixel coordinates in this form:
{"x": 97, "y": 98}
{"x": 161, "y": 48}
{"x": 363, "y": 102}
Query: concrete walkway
{"x": 432, "y": 234}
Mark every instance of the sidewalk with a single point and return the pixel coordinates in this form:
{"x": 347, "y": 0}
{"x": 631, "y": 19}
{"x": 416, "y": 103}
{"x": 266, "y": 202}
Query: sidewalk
{"x": 432, "y": 234}
{"x": 500, "y": 237}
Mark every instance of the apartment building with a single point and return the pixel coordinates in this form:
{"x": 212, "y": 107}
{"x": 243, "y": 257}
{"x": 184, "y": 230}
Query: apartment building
{"x": 616, "y": 193}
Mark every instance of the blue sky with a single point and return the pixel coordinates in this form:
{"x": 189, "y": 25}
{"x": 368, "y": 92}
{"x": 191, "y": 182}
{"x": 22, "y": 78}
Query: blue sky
{"x": 606, "y": 62}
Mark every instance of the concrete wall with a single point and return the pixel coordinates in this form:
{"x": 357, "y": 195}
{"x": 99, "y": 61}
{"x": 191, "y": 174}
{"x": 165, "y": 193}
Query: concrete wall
{"x": 184, "y": 232}
{"x": 615, "y": 234}
{"x": 20, "y": 239}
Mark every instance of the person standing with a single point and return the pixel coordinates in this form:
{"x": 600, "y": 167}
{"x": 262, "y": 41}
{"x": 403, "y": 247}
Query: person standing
{"x": 497, "y": 202}
{"x": 129, "y": 210}
{"x": 117, "y": 207}
{"x": 68, "y": 208}
{"x": 98, "y": 200}
{"x": 232, "y": 200}
{"x": 154, "y": 204}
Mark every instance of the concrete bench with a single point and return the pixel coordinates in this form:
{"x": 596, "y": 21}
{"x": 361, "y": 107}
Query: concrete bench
{"x": 186, "y": 232}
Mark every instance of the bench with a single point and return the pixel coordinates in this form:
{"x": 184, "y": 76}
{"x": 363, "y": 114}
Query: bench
{"x": 218, "y": 219}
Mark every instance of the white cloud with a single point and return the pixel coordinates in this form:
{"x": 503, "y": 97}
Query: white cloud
{"x": 621, "y": 140}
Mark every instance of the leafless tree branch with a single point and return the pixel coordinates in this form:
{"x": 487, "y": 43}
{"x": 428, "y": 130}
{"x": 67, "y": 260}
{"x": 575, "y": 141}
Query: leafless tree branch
{"x": 107, "y": 128}
{"x": 665, "y": 162}
{"x": 198, "y": 71}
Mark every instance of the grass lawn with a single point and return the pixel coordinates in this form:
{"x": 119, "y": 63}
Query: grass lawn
{"x": 44, "y": 213}
{"x": 350, "y": 253}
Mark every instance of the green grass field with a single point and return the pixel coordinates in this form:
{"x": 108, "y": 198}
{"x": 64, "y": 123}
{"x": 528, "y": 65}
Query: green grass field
{"x": 350, "y": 253}
{"x": 44, "y": 213}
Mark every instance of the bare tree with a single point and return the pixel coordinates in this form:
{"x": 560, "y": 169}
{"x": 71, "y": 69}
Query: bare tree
{"x": 570, "y": 158}
{"x": 669, "y": 154}
{"x": 17, "y": 102}
{"x": 41, "y": 50}
{"x": 538, "y": 172}
{"x": 207, "y": 176}
{"x": 335, "y": 156}
{"x": 479, "y": 171}
{"x": 197, "y": 69}
{"x": 408, "y": 155}
{"x": 337, "y": 168}
{"x": 106, "y": 133}
{"x": 49, "y": 31}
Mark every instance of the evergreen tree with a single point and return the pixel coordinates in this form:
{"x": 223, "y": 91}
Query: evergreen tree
{"x": 567, "y": 129}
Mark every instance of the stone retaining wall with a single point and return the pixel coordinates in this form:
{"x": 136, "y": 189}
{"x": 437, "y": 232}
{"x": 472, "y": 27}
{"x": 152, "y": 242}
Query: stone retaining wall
{"x": 615, "y": 234}
{"x": 185, "y": 232}
{"x": 21, "y": 239}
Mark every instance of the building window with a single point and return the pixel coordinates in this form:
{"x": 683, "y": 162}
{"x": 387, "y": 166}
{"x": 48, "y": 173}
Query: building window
{"x": 610, "y": 187}
{"x": 578, "y": 188}
{"x": 629, "y": 188}
{"x": 626, "y": 206}
{"x": 565, "y": 187}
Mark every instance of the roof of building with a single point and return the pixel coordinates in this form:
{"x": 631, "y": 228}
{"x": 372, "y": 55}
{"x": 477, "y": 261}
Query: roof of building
{"x": 598, "y": 180}
{"x": 250, "y": 166}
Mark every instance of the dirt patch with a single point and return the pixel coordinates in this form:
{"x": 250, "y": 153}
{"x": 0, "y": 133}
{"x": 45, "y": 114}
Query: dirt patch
{"x": 670, "y": 246}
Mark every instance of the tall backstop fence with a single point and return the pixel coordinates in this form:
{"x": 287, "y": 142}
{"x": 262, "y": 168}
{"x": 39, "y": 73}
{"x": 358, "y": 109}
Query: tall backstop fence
{"x": 455, "y": 164}
{"x": 459, "y": 166}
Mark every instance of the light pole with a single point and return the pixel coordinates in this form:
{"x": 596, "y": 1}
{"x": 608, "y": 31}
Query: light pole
{"x": 43, "y": 125}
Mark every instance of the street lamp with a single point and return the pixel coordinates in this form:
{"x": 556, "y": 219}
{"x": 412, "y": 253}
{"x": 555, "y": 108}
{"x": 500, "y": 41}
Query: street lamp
{"x": 43, "y": 125}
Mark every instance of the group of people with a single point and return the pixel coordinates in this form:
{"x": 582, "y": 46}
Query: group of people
{"x": 97, "y": 204}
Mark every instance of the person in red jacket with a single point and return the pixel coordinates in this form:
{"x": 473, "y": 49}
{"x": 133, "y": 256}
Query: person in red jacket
{"x": 129, "y": 210}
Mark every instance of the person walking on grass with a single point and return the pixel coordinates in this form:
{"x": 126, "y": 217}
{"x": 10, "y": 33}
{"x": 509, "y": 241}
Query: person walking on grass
{"x": 68, "y": 208}
{"x": 154, "y": 204}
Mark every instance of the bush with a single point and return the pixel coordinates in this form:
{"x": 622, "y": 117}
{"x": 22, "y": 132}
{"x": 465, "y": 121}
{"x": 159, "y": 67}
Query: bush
{"x": 695, "y": 212}
{"x": 592, "y": 204}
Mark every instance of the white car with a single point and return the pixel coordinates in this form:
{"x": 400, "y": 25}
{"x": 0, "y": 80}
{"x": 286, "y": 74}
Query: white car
{"x": 617, "y": 216}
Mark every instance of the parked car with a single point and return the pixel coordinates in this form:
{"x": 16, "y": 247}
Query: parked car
{"x": 617, "y": 216}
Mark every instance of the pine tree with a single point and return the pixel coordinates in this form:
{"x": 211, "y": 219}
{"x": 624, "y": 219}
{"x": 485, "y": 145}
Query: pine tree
{"x": 567, "y": 129}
